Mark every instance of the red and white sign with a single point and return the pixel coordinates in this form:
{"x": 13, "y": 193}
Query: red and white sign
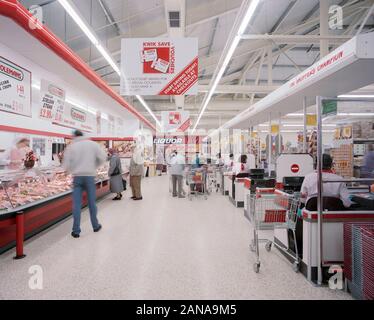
{"x": 52, "y": 101}
{"x": 295, "y": 168}
{"x": 152, "y": 66}
{"x": 15, "y": 88}
{"x": 173, "y": 121}
{"x": 77, "y": 118}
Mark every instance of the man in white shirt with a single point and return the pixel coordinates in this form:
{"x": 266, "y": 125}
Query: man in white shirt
{"x": 177, "y": 165}
{"x": 309, "y": 188}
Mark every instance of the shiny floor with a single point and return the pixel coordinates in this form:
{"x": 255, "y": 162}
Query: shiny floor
{"x": 158, "y": 248}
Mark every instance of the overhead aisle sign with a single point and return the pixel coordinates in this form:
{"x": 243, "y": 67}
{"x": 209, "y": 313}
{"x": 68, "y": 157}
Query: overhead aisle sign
{"x": 15, "y": 88}
{"x": 151, "y": 66}
{"x": 173, "y": 121}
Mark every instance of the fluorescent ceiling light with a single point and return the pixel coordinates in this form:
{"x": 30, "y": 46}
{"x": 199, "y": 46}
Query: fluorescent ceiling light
{"x": 359, "y": 96}
{"x": 243, "y": 25}
{"x": 356, "y": 114}
{"x": 148, "y": 109}
{"x": 302, "y": 125}
{"x": 73, "y": 12}
{"x": 79, "y": 21}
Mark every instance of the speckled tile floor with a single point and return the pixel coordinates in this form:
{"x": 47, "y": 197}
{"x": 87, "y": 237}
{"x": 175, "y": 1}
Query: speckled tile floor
{"x": 158, "y": 248}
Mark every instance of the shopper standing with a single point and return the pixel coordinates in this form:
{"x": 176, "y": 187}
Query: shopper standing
{"x": 115, "y": 174}
{"x": 136, "y": 173}
{"x": 81, "y": 159}
{"x": 160, "y": 161}
{"x": 177, "y": 164}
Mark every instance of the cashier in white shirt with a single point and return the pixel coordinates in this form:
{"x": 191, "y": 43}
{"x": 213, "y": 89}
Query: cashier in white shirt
{"x": 242, "y": 165}
{"x": 309, "y": 187}
{"x": 229, "y": 165}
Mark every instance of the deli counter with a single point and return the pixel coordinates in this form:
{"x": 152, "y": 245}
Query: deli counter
{"x": 41, "y": 196}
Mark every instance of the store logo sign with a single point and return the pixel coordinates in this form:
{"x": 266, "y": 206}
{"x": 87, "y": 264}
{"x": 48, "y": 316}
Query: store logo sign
{"x": 158, "y": 57}
{"x": 295, "y": 168}
{"x": 56, "y": 91}
{"x": 175, "y": 118}
{"x": 168, "y": 140}
{"x": 78, "y": 115}
{"x": 11, "y": 71}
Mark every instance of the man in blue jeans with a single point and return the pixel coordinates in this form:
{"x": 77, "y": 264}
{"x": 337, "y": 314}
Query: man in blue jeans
{"x": 81, "y": 159}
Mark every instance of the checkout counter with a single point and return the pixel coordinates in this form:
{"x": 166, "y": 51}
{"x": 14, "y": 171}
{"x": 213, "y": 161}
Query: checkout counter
{"x": 332, "y": 230}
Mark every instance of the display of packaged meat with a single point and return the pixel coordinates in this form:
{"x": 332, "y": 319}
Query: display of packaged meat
{"x": 19, "y": 188}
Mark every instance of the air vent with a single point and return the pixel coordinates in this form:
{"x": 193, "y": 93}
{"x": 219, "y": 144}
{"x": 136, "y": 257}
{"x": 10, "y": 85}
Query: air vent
{"x": 174, "y": 19}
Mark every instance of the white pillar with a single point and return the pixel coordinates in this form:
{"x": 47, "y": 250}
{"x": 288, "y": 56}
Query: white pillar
{"x": 269, "y": 146}
{"x": 305, "y": 146}
{"x": 324, "y": 26}
{"x": 279, "y": 135}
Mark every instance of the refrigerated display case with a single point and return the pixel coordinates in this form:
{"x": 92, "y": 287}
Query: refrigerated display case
{"x": 42, "y": 196}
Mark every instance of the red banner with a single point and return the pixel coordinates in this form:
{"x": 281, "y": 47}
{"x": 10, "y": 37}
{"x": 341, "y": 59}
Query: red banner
{"x": 185, "y": 126}
{"x": 183, "y": 81}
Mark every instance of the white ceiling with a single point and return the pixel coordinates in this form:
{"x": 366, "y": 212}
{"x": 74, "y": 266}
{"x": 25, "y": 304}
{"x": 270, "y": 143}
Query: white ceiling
{"x": 210, "y": 21}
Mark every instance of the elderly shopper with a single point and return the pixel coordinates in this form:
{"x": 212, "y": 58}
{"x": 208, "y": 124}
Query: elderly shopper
{"x": 136, "y": 172}
{"x": 115, "y": 174}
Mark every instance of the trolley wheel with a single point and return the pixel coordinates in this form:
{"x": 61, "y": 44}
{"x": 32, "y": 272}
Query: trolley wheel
{"x": 268, "y": 246}
{"x": 256, "y": 267}
{"x": 296, "y": 267}
{"x": 206, "y": 197}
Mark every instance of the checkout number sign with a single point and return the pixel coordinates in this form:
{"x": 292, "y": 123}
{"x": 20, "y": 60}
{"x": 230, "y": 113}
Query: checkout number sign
{"x": 295, "y": 168}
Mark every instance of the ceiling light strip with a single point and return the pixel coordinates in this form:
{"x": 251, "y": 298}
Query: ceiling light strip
{"x": 243, "y": 25}
{"x": 73, "y": 12}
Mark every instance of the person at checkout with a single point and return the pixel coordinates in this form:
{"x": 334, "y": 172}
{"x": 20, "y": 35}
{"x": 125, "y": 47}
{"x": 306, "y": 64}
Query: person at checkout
{"x": 309, "y": 188}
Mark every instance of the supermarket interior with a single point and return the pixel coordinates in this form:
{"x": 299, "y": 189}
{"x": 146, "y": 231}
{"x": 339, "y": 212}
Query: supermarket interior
{"x": 187, "y": 149}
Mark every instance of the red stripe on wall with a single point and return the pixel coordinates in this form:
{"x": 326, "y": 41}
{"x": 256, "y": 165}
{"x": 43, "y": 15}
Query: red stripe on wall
{"x": 36, "y": 132}
{"x": 19, "y": 14}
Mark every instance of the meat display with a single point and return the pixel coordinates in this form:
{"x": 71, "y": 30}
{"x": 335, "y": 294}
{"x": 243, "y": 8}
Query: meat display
{"x": 22, "y": 188}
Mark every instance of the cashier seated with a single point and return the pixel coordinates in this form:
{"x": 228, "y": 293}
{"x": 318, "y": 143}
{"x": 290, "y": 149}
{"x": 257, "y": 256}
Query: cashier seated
{"x": 241, "y": 168}
{"x": 339, "y": 191}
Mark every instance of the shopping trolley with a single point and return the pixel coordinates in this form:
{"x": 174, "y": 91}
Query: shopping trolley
{"x": 270, "y": 209}
{"x": 196, "y": 181}
{"x": 212, "y": 179}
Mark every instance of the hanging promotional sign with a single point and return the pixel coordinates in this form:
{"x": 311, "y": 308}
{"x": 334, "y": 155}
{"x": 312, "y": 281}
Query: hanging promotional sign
{"x": 159, "y": 66}
{"x": 77, "y": 118}
{"x": 52, "y": 101}
{"x": 15, "y": 88}
{"x": 311, "y": 120}
{"x": 173, "y": 121}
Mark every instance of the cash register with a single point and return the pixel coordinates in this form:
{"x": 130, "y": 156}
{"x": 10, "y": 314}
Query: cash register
{"x": 258, "y": 180}
{"x": 365, "y": 201}
{"x": 292, "y": 184}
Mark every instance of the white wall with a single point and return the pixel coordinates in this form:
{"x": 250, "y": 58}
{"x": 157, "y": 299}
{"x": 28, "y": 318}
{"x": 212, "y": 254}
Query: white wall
{"x": 73, "y": 93}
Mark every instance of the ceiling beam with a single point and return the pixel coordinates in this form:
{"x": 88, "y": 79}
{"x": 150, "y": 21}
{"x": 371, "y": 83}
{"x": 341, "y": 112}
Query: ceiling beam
{"x": 296, "y": 39}
{"x": 240, "y": 88}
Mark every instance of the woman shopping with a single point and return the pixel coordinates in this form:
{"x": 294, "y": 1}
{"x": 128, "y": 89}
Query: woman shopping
{"x": 115, "y": 174}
